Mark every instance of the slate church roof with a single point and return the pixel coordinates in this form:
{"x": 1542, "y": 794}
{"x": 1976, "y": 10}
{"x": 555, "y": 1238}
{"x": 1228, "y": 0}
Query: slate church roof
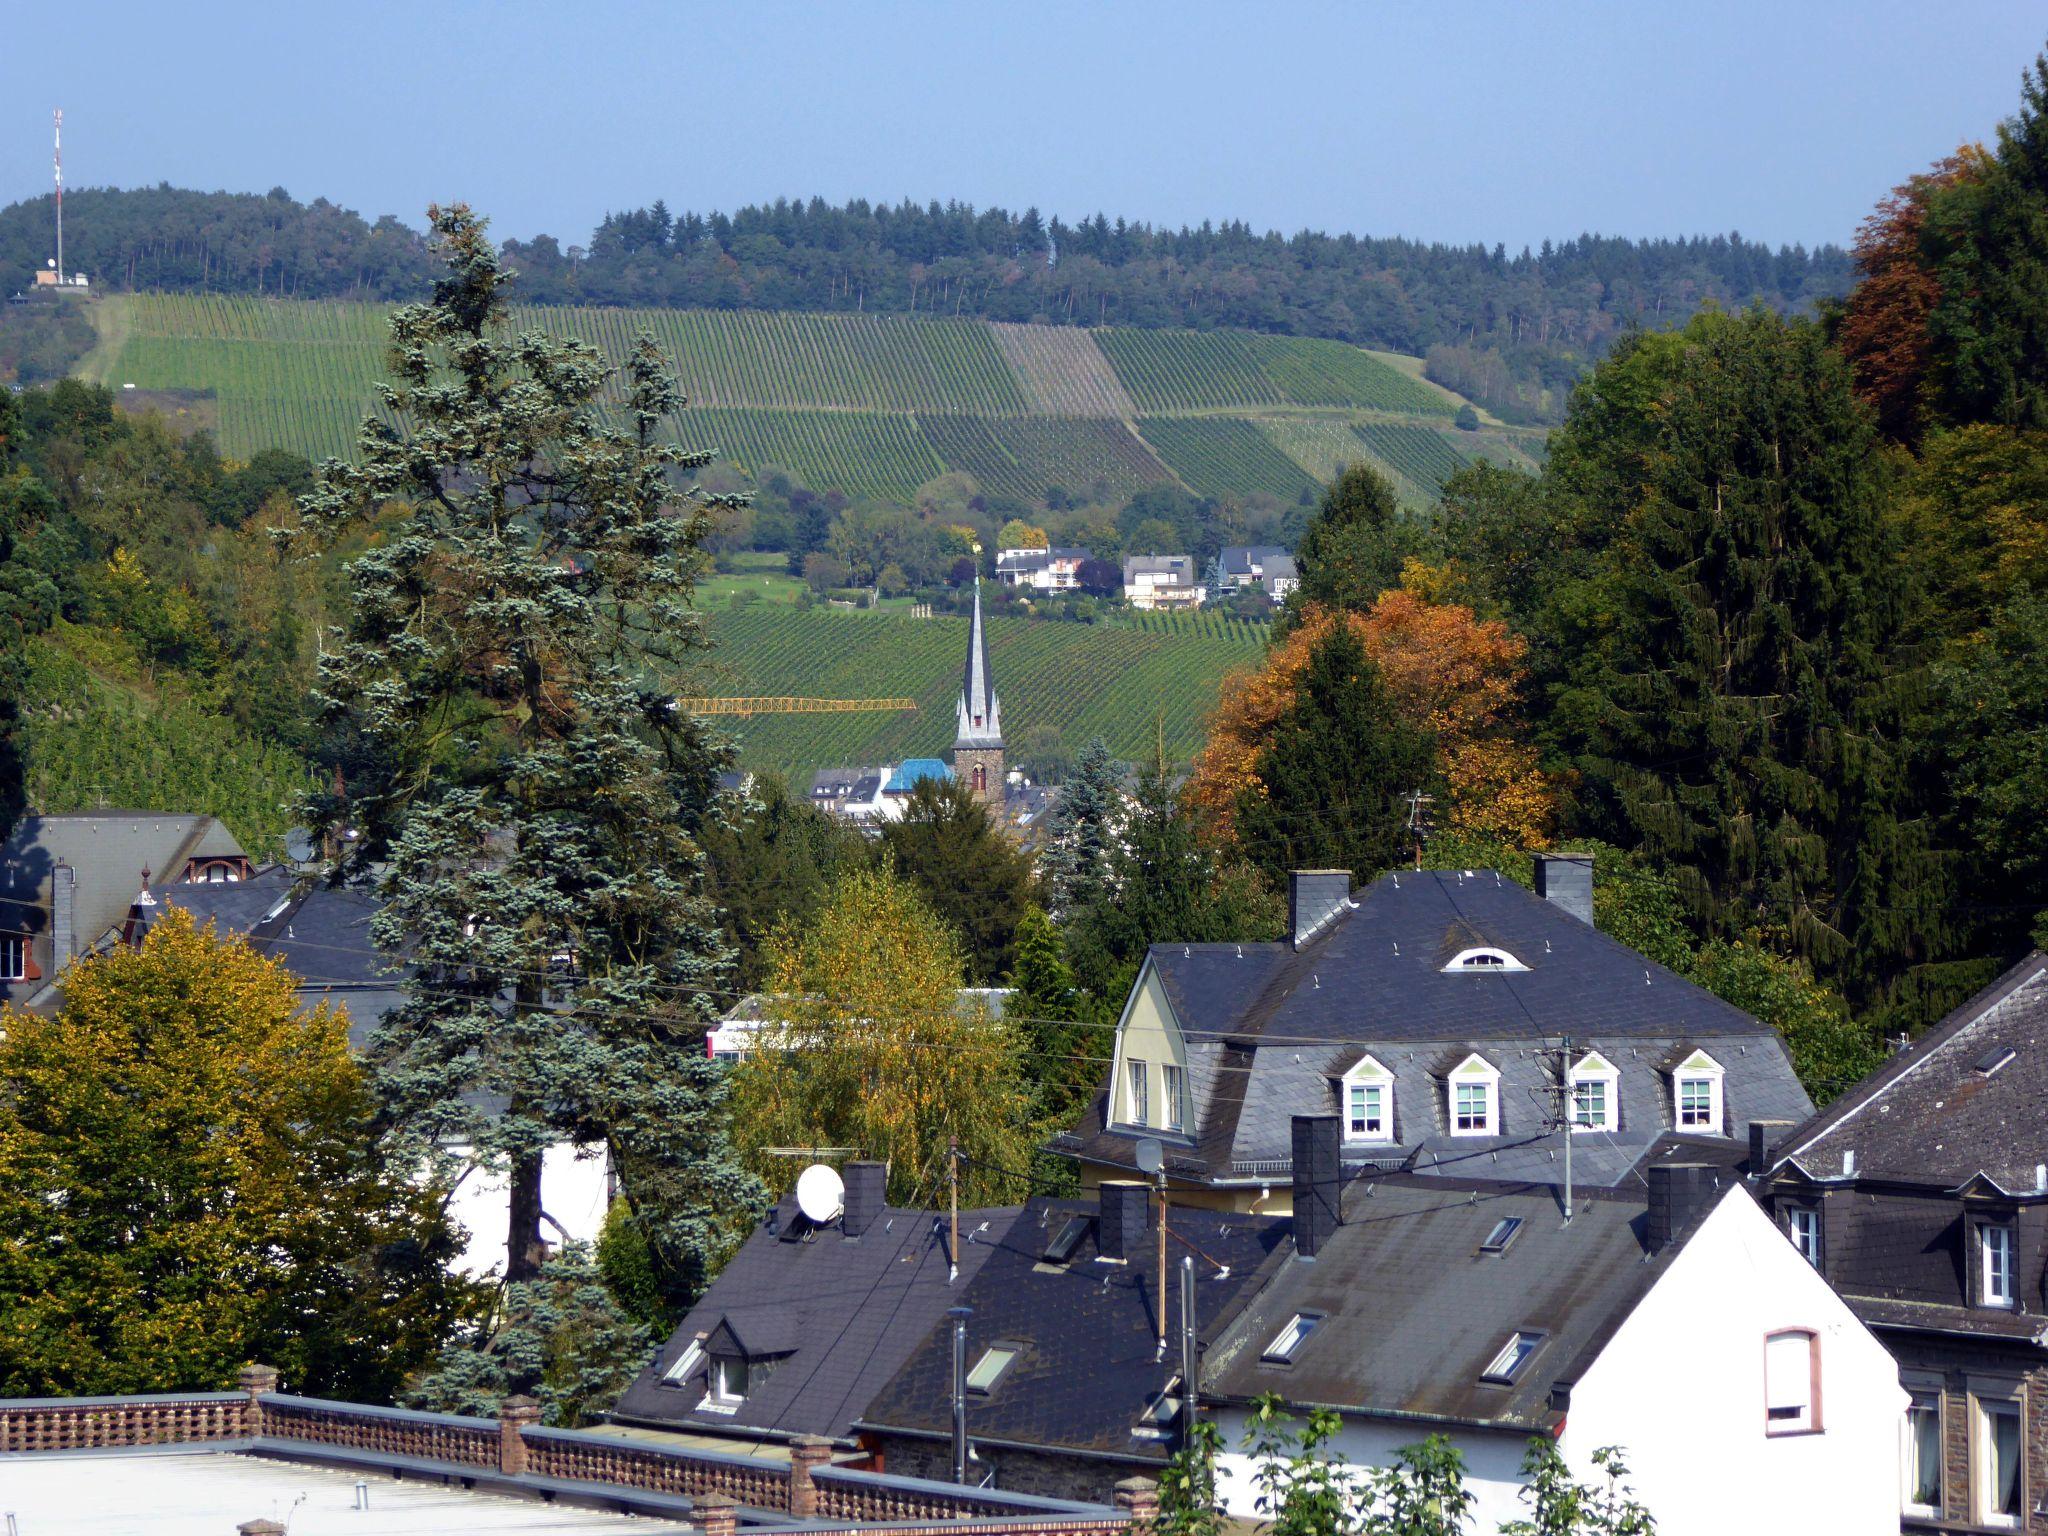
{"x": 980, "y": 712}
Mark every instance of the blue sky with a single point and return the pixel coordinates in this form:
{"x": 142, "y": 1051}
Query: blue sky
{"x": 1451, "y": 121}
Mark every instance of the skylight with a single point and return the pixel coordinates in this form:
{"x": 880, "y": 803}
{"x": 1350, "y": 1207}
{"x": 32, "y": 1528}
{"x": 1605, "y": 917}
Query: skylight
{"x": 687, "y": 1362}
{"x": 1998, "y": 1056}
{"x": 1502, "y": 1234}
{"x": 1289, "y": 1339}
{"x": 1066, "y": 1240}
{"x": 1512, "y": 1357}
{"x": 1156, "y": 1422}
{"x": 989, "y": 1368}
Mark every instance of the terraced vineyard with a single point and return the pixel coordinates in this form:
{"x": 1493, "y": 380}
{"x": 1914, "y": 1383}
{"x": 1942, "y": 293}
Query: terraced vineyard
{"x": 1080, "y": 679}
{"x": 872, "y": 405}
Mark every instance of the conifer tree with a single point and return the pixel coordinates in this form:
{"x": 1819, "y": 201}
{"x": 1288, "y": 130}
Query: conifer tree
{"x": 524, "y": 792}
{"x": 1081, "y": 833}
{"x": 1353, "y": 547}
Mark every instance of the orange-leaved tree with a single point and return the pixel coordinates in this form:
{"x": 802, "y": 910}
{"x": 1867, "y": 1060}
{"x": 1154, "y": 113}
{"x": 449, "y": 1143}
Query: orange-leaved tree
{"x": 1453, "y": 675}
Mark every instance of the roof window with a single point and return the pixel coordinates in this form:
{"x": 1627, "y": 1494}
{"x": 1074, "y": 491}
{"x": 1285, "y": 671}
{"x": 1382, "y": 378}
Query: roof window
{"x": 1514, "y": 1354}
{"x": 1502, "y": 1234}
{"x": 1483, "y": 960}
{"x": 688, "y": 1363}
{"x": 1157, "y": 1421}
{"x": 1998, "y": 1056}
{"x": 988, "y": 1370}
{"x": 1290, "y": 1339}
{"x": 1066, "y": 1240}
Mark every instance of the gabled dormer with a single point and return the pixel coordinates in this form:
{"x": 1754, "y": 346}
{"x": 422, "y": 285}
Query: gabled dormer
{"x": 1595, "y": 1094}
{"x": 1365, "y": 1102}
{"x": 1696, "y": 1096}
{"x": 1472, "y": 1098}
{"x": 1149, "y": 1088}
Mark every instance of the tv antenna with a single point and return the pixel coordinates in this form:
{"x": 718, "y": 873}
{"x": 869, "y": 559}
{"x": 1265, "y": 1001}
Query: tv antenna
{"x": 1418, "y": 820}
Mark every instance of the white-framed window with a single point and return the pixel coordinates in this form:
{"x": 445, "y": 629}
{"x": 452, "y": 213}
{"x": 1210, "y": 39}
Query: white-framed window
{"x": 688, "y": 1363}
{"x": 1290, "y": 1338}
{"x": 988, "y": 1370}
{"x": 1920, "y": 1453}
{"x": 13, "y": 957}
{"x": 1696, "y": 1094}
{"x": 1514, "y": 1354}
{"x": 1792, "y": 1382}
{"x": 1596, "y": 1093}
{"x": 1475, "y": 1098}
{"x": 1996, "y": 1264}
{"x": 1483, "y": 960}
{"x": 1802, "y": 1225}
{"x": 1173, "y": 1089}
{"x": 1138, "y": 1098}
{"x": 728, "y": 1378}
{"x": 1997, "y": 1468}
{"x": 1368, "y": 1092}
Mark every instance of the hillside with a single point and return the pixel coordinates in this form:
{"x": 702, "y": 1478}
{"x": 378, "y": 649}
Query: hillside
{"x": 872, "y": 405}
{"x": 1081, "y": 680}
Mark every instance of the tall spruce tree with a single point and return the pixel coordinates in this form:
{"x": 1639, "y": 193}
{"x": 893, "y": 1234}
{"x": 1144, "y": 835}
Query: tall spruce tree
{"x": 1736, "y": 705}
{"x": 1081, "y": 833}
{"x": 525, "y": 794}
{"x": 1327, "y": 786}
{"x": 1354, "y": 546}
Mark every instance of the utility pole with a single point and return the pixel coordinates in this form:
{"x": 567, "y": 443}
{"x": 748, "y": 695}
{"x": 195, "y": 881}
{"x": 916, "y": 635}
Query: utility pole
{"x": 1418, "y": 820}
{"x": 1161, "y": 1176}
{"x": 953, "y": 1202}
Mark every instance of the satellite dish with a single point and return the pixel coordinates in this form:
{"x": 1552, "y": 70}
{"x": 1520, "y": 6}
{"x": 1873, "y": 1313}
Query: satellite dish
{"x": 820, "y": 1193}
{"x": 50, "y": 261}
{"x": 1151, "y": 1155}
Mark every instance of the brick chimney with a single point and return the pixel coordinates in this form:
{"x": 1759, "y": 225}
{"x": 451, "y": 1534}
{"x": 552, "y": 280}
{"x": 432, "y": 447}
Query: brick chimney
{"x": 1314, "y": 896}
{"x": 515, "y": 1414}
{"x": 867, "y": 1189}
{"x": 1678, "y": 1193}
{"x": 1126, "y": 1215}
{"x": 1318, "y": 1183}
{"x": 716, "y": 1515}
{"x": 1566, "y": 880}
{"x": 806, "y": 1454}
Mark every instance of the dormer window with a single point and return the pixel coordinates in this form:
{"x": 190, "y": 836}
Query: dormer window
{"x": 1368, "y": 1102}
{"x": 728, "y": 1381}
{"x": 688, "y": 1363}
{"x": 1475, "y": 1098}
{"x": 1996, "y": 1263}
{"x": 1483, "y": 960}
{"x": 1595, "y": 1093}
{"x": 1696, "y": 1093}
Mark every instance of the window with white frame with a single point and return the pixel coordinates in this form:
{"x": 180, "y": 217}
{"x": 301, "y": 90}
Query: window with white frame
{"x": 1920, "y": 1453}
{"x": 1507, "y": 1365}
{"x": 1138, "y": 1105}
{"x": 1173, "y": 1091}
{"x": 1792, "y": 1382}
{"x": 728, "y": 1378}
{"x": 1997, "y": 1472}
{"x": 1290, "y": 1338}
{"x": 1483, "y": 960}
{"x": 1368, "y": 1091}
{"x": 1696, "y": 1091}
{"x": 1475, "y": 1098}
{"x": 1996, "y": 1264}
{"x": 13, "y": 957}
{"x": 988, "y": 1370}
{"x": 1595, "y": 1093}
{"x": 688, "y": 1363}
{"x": 1802, "y": 1225}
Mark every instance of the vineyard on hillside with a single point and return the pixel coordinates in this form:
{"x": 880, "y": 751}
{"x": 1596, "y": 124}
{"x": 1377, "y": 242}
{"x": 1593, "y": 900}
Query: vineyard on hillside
{"x": 1082, "y": 680}
{"x": 871, "y": 405}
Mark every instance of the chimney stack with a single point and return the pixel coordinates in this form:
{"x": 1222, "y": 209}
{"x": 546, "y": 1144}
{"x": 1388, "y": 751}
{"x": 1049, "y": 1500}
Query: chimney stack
{"x": 867, "y": 1188}
{"x": 1566, "y": 879}
{"x": 1763, "y": 1136}
{"x": 1678, "y": 1193}
{"x": 1125, "y": 1216}
{"x": 1314, "y": 896}
{"x": 1318, "y": 1183}
{"x": 63, "y": 916}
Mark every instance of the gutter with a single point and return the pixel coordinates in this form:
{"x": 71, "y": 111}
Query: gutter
{"x": 724, "y": 1431}
{"x": 1008, "y": 1445}
{"x": 1401, "y": 1415}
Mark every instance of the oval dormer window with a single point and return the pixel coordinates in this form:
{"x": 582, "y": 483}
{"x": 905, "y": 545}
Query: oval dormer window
{"x": 1483, "y": 960}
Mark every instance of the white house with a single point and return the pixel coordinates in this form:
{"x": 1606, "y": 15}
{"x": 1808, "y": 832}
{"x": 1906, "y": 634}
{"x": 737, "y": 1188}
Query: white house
{"x": 1042, "y": 570}
{"x": 1266, "y": 566}
{"x": 1162, "y": 581}
{"x": 1743, "y": 1393}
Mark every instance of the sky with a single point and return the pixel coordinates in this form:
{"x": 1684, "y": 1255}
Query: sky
{"x": 1457, "y": 121}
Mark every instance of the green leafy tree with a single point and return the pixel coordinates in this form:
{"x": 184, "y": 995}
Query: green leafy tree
{"x": 1328, "y": 782}
{"x": 528, "y": 796}
{"x": 1082, "y": 832}
{"x": 561, "y": 1336}
{"x": 1188, "y": 1501}
{"x": 1561, "y": 1506}
{"x": 1354, "y": 546}
{"x": 189, "y": 1180}
{"x": 1301, "y": 1491}
{"x": 973, "y": 876}
{"x": 1422, "y": 1493}
{"x": 770, "y": 860}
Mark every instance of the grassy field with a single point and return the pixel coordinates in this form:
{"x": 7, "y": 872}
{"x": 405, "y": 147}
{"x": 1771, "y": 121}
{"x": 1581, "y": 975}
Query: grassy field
{"x": 1080, "y": 679}
{"x": 873, "y": 405}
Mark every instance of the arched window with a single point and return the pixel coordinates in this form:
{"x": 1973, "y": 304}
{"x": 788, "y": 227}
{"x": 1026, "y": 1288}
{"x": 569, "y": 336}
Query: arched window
{"x": 1483, "y": 960}
{"x": 980, "y": 779}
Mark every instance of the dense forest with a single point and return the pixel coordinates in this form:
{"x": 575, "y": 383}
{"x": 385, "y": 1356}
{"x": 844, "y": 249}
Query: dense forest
{"x": 1513, "y": 331}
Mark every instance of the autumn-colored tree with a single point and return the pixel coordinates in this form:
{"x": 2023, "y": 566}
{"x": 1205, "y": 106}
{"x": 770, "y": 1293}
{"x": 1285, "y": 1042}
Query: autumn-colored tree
{"x": 1451, "y": 675}
{"x": 869, "y": 1044}
{"x": 1018, "y": 534}
{"x": 188, "y": 1181}
{"x": 1884, "y": 331}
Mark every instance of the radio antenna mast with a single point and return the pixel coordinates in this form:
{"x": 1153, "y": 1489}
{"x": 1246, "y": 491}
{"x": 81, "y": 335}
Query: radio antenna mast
{"x": 57, "y": 141}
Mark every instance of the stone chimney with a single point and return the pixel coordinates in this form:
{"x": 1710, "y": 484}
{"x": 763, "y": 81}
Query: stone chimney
{"x": 867, "y": 1188}
{"x": 1764, "y": 1136}
{"x": 1678, "y": 1193}
{"x": 1314, "y": 896}
{"x": 63, "y": 916}
{"x": 1125, "y": 1216}
{"x": 1566, "y": 880}
{"x": 1318, "y": 1183}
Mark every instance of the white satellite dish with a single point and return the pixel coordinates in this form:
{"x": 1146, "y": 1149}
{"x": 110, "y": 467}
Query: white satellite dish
{"x": 1151, "y": 1154}
{"x": 820, "y": 1193}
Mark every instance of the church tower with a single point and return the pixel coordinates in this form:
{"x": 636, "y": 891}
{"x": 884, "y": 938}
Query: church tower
{"x": 978, "y": 744}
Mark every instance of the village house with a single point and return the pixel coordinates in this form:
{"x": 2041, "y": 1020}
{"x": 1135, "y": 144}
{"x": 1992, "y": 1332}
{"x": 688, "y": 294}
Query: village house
{"x": 1041, "y": 570}
{"x": 1454, "y": 1020}
{"x": 1267, "y": 567}
{"x": 1922, "y": 1196}
{"x": 1162, "y": 581}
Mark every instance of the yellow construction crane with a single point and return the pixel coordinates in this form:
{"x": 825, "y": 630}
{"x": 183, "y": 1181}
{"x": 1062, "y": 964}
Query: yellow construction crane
{"x": 790, "y": 706}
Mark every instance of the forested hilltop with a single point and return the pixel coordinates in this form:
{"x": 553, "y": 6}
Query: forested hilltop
{"x": 1511, "y": 331}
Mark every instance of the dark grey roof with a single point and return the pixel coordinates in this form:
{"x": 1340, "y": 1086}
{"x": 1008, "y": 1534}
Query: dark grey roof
{"x": 324, "y": 938}
{"x": 1413, "y": 1312}
{"x": 1088, "y": 1365}
{"x": 1182, "y": 567}
{"x": 837, "y": 1316}
{"x": 1271, "y": 1028}
{"x": 1932, "y": 1114}
{"x": 838, "y": 783}
{"x": 1239, "y": 559}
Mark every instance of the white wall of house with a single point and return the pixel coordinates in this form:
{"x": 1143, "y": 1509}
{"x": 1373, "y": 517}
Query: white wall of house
{"x": 1681, "y": 1388}
{"x": 575, "y": 1190}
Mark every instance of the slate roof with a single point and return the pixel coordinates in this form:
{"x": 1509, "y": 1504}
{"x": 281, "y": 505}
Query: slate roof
{"x": 1930, "y": 1116}
{"x": 324, "y": 938}
{"x": 839, "y": 1315}
{"x": 1239, "y": 560}
{"x": 845, "y": 783}
{"x": 1413, "y": 1312}
{"x": 1088, "y": 1366}
{"x": 1180, "y": 567}
{"x": 1271, "y": 1028}
{"x": 978, "y": 712}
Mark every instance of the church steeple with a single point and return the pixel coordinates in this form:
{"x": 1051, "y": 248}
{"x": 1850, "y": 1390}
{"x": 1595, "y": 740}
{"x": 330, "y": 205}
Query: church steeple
{"x": 978, "y": 741}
